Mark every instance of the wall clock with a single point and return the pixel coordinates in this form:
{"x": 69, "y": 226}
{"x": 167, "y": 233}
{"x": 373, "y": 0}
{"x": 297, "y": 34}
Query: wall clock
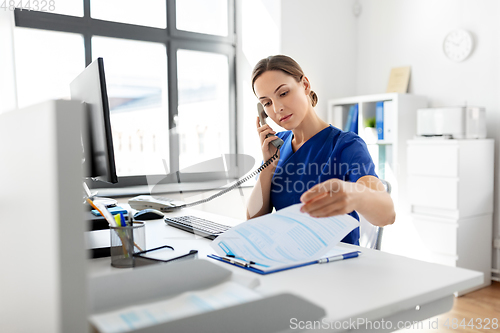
{"x": 458, "y": 45}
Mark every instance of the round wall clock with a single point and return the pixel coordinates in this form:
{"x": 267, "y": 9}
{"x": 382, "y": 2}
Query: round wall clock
{"x": 458, "y": 45}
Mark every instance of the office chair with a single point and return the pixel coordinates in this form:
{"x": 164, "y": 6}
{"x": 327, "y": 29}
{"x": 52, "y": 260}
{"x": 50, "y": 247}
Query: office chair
{"x": 370, "y": 236}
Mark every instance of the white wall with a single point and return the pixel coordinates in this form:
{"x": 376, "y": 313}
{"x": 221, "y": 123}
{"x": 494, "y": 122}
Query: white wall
{"x": 410, "y": 32}
{"x": 321, "y": 36}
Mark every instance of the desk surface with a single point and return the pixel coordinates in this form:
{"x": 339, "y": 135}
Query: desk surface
{"x": 373, "y": 286}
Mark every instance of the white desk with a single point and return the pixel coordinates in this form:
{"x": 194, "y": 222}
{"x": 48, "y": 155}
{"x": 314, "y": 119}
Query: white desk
{"x": 375, "y": 286}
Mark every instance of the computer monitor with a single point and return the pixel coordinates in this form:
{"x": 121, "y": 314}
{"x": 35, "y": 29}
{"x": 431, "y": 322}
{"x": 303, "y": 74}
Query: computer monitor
{"x": 97, "y": 140}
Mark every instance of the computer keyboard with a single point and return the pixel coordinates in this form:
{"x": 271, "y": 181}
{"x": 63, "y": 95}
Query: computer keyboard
{"x": 197, "y": 226}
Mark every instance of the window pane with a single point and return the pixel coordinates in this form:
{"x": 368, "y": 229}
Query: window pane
{"x": 136, "y": 78}
{"x": 203, "y": 117}
{"x": 46, "y": 63}
{"x": 151, "y": 13}
{"x": 66, "y": 7}
{"x": 203, "y": 16}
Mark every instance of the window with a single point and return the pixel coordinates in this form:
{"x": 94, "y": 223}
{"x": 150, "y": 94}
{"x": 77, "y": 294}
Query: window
{"x": 151, "y": 13}
{"x": 136, "y": 79}
{"x": 207, "y": 17}
{"x": 203, "y": 106}
{"x": 169, "y": 72}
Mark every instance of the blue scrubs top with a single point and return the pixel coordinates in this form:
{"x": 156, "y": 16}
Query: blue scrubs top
{"x": 331, "y": 153}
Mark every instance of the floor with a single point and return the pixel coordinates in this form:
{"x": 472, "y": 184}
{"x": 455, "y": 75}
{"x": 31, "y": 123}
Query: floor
{"x": 478, "y": 311}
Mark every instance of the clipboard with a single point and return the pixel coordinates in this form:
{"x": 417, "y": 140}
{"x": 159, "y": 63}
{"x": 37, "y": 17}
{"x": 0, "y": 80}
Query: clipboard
{"x": 253, "y": 267}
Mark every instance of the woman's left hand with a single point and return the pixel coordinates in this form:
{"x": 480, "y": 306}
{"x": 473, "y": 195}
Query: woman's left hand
{"x": 330, "y": 198}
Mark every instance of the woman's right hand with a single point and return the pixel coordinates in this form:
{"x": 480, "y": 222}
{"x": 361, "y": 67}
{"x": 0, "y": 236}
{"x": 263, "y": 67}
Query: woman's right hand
{"x": 268, "y": 150}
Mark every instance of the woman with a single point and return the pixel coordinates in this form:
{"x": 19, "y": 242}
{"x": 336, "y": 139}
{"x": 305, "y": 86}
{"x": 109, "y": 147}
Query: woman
{"x": 328, "y": 170}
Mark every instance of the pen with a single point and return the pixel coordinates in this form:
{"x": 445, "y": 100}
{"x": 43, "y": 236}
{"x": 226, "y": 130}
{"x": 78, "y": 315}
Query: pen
{"x": 250, "y": 262}
{"x": 122, "y": 220}
{"x": 130, "y": 217}
{"x": 118, "y": 221}
{"x": 339, "y": 257}
{"x": 235, "y": 261}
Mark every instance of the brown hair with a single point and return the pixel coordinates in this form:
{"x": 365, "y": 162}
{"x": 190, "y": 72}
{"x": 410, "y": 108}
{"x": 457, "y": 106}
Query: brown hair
{"x": 281, "y": 63}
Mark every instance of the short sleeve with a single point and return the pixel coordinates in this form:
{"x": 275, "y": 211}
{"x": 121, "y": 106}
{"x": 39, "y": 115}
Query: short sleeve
{"x": 355, "y": 154}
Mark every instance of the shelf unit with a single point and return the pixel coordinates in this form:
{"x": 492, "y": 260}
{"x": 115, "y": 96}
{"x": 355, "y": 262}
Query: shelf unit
{"x": 389, "y": 156}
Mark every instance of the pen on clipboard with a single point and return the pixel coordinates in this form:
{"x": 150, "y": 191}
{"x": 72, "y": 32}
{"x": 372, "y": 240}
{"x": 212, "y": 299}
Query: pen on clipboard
{"x": 238, "y": 262}
{"x": 231, "y": 258}
{"x": 339, "y": 257}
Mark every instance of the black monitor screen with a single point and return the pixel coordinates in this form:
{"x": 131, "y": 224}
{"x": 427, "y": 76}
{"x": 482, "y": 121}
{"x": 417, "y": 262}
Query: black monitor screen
{"x": 99, "y": 158}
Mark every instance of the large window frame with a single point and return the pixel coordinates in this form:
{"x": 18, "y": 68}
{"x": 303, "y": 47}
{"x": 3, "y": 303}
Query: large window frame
{"x": 173, "y": 40}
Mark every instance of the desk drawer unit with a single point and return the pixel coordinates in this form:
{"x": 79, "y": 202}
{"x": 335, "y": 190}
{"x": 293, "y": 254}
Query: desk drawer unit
{"x": 439, "y": 235}
{"x": 457, "y": 242}
{"x": 433, "y": 160}
{"x": 455, "y": 176}
{"x": 436, "y": 192}
{"x": 450, "y": 185}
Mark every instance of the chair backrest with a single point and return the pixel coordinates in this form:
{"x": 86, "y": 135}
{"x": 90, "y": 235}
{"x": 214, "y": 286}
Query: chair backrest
{"x": 370, "y": 236}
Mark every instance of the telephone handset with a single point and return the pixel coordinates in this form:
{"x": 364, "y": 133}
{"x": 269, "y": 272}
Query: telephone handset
{"x": 262, "y": 118}
{"x": 167, "y": 205}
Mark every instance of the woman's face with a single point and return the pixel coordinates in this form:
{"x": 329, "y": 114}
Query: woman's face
{"x": 285, "y": 100}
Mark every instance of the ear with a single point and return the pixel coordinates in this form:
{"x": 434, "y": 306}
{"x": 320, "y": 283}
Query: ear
{"x": 306, "y": 84}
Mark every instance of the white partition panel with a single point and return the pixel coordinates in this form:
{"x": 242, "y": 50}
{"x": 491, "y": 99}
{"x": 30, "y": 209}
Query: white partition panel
{"x": 8, "y": 91}
{"x": 43, "y": 271}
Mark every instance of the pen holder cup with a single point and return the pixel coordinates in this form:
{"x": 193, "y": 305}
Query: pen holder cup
{"x": 124, "y": 242}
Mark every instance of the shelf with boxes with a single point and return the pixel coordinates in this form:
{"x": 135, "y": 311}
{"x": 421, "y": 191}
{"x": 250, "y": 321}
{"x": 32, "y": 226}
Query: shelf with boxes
{"x": 451, "y": 195}
{"x": 387, "y": 141}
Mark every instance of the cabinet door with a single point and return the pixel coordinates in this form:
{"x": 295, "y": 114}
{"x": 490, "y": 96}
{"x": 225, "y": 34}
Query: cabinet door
{"x": 439, "y": 235}
{"x": 444, "y": 259}
{"x": 433, "y": 160}
{"x": 433, "y": 192}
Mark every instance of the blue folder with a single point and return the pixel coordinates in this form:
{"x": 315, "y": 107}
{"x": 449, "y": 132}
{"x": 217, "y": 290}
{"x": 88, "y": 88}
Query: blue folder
{"x": 354, "y": 119}
{"x": 379, "y": 119}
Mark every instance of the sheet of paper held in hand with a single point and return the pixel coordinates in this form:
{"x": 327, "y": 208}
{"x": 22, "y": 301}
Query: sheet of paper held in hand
{"x": 285, "y": 238}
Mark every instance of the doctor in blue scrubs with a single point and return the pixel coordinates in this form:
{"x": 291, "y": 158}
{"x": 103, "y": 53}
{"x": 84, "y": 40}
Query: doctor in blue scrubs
{"x": 330, "y": 171}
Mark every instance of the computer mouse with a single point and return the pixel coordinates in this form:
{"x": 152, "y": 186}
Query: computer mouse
{"x": 148, "y": 214}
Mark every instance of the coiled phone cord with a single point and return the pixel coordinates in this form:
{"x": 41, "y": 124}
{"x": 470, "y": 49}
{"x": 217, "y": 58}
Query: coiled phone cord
{"x": 238, "y": 183}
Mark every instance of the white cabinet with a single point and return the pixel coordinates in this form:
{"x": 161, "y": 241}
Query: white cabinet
{"x": 389, "y": 156}
{"x": 450, "y": 185}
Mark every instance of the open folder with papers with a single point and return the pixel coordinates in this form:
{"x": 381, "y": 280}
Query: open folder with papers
{"x": 284, "y": 240}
